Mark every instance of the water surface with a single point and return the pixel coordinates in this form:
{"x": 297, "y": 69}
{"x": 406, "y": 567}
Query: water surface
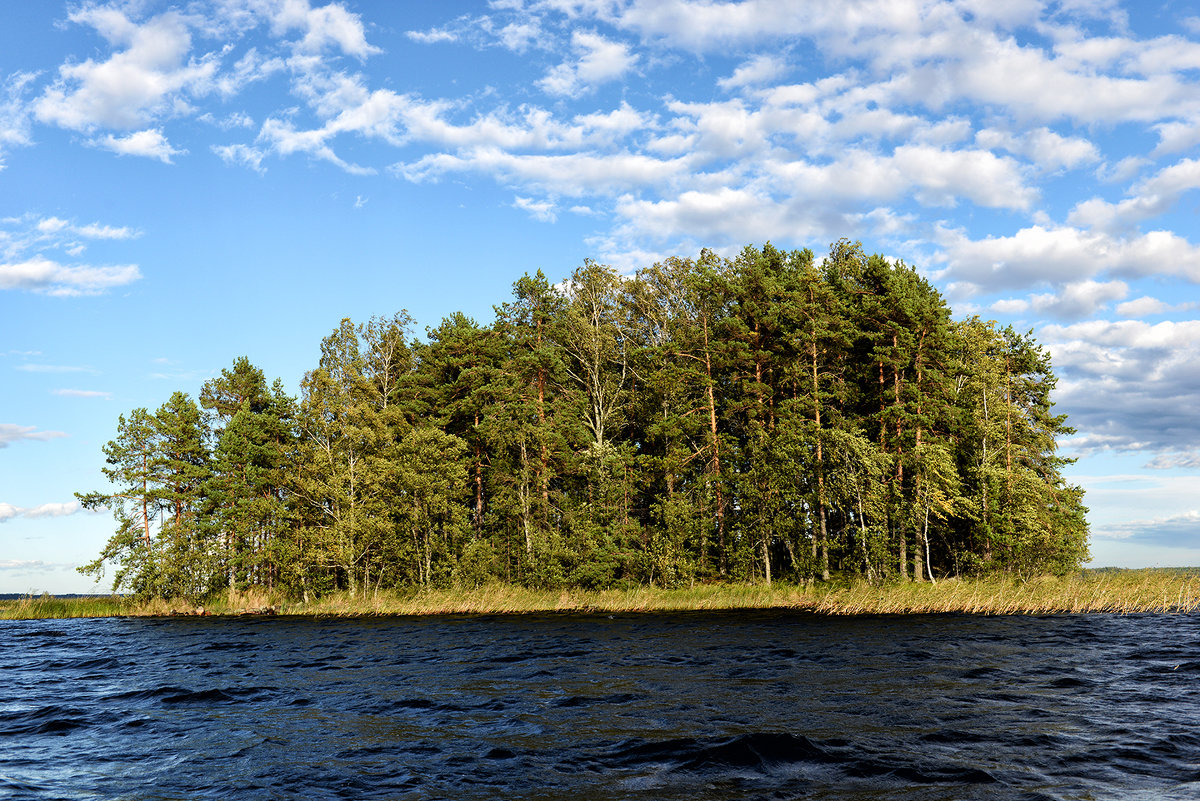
{"x": 681, "y": 706}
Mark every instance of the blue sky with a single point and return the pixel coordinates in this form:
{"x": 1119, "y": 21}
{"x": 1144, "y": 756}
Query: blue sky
{"x": 182, "y": 184}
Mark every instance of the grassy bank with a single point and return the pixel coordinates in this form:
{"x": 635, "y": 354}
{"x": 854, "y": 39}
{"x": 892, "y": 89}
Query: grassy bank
{"x": 1119, "y": 591}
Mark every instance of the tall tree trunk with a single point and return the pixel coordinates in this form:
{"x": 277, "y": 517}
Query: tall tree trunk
{"x": 716, "y": 446}
{"x": 816, "y": 395}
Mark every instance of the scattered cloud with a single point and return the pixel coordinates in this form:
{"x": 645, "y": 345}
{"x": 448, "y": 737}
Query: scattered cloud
{"x": 1175, "y": 530}
{"x": 1059, "y": 254}
{"x": 763, "y": 68}
{"x": 11, "y": 432}
{"x": 82, "y": 393}
{"x": 243, "y": 155}
{"x": 328, "y": 26}
{"x": 938, "y": 131}
{"x": 149, "y": 76}
{"x": 45, "y": 276}
{"x": 149, "y": 143}
{"x": 1079, "y": 299}
{"x": 1129, "y": 385}
{"x": 596, "y": 60}
{"x": 14, "y": 112}
{"x": 1141, "y": 307}
{"x": 28, "y": 260}
{"x": 543, "y": 211}
{"x": 54, "y": 368}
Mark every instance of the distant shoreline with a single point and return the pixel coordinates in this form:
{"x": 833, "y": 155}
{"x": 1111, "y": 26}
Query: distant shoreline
{"x": 1105, "y": 591}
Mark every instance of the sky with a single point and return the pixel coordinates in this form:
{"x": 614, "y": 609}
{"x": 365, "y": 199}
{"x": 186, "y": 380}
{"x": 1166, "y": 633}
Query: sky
{"x": 185, "y": 183}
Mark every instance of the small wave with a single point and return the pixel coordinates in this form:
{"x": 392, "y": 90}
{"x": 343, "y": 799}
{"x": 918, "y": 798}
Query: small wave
{"x": 595, "y": 700}
{"x": 953, "y": 736}
{"x": 758, "y": 750}
{"x": 53, "y": 719}
{"x": 172, "y": 694}
{"x": 1071, "y": 682}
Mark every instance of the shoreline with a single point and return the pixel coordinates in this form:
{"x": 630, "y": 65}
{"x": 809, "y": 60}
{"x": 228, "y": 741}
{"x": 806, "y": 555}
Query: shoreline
{"x": 1101, "y": 591}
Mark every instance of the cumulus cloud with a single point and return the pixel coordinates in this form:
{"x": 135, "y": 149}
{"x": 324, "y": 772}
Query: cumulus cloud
{"x": 149, "y": 143}
{"x": 323, "y": 27}
{"x": 762, "y": 68}
{"x": 1141, "y": 307}
{"x": 1079, "y": 299}
{"x": 1128, "y": 384}
{"x": 149, "y": 76}
{"x": 1060, "y": 254}
{"x": 1045, "y": 148}
{"x": 11, "y": 432}
{"x": 597, "y": 60}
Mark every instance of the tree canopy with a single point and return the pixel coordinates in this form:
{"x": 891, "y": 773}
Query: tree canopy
{"x": 765, "y": 417}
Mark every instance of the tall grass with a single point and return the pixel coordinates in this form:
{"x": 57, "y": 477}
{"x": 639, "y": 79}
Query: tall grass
{"x": 33, "y": 607}
{"x": 1123, "y": 592}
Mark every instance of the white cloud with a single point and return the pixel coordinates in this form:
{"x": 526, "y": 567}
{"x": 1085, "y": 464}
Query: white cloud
{"x": 45, "y": 276}
{"x": 149, "y": 78}
{"x": 1010, "y": 306}
{"x": 322, "y": 27}
{"x": 54, "y": 509}
{"x": 149, "y": 143}
{"x": 82, "y": 393}
{"x": 14, "y": 113}
{"x": 1045, "y": 148}
{"x": 249, "y": 69}
{"x": 572, "y": 174}
{"x": 1141, "y": 307}
{"x": 53, "y": 368}
{"x": 1038, "y": 255}
{"x": 1128, "y": 384}
{"x": 1123, "y": 170}
{"x": 760, "y": 69}
{"x": 10, "y": 433}
{"x": 541, "y": 210}
{"x": 98, "y": 231}
{"x": 1175, "y": 136}
{"x": 598, "y": 60}
{"x": 1188, "y": 460}
{"x": 432, "y": 36}
{"x": 62, "y": 509}
{"x": 1180, "y": 530}
{"x": 1079, "y": 299}
{"x": 1150, "y": 197}
{"x": 244, "y": 155}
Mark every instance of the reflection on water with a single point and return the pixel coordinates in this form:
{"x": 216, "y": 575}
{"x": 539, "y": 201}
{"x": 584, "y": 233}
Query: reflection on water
{"x": 687, "y": 706}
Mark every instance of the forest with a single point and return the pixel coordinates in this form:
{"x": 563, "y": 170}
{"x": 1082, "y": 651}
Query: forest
{"x": 770, "y": 417}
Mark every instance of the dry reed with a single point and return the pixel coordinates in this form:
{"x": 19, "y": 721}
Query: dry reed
{"x": 1121, "y": 592}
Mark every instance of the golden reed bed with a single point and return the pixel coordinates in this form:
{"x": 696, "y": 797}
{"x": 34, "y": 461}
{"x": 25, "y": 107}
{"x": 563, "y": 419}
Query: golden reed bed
{"x": 1112, "y": 591}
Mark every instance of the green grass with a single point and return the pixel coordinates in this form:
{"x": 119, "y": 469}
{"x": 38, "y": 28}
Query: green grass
{"x": 48, "y": 606}
{"x": 1111, "y": 591}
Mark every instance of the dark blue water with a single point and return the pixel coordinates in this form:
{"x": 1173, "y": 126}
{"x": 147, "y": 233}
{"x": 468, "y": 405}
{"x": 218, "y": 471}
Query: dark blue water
{"x": 699, "y": 706}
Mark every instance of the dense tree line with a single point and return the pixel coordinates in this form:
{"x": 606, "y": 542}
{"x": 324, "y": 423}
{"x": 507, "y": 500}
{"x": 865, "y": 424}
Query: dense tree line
{"x": 761, "y": 418}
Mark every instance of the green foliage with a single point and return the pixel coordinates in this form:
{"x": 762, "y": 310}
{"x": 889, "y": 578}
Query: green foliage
{"x": 762, "y": 419}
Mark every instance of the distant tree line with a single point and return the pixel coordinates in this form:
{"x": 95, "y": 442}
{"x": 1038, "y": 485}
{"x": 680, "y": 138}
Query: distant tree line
{"x": 755, "y": 419}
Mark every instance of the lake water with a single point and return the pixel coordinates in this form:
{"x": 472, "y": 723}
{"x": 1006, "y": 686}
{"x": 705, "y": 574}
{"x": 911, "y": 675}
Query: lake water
{"x": 685, "y": 706}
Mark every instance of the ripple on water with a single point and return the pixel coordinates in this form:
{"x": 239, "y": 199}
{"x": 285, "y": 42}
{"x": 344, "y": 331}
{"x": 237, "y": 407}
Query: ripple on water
{"x": 697, "y": 706}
